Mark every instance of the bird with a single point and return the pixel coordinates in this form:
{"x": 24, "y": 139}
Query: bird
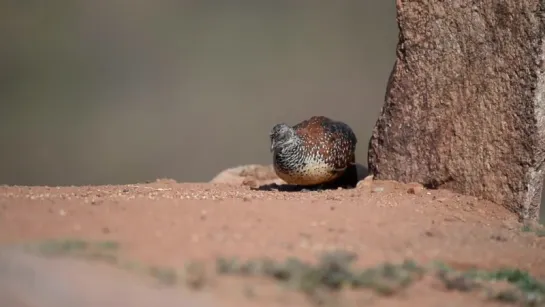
{"x": 313, "y": 152}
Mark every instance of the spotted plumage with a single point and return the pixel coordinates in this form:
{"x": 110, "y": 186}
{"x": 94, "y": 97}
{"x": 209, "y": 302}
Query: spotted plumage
{"x": 315, "y": 151}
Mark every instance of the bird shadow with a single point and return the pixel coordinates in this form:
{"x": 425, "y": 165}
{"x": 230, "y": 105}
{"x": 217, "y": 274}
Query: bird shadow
{"x": 349, "y": 180}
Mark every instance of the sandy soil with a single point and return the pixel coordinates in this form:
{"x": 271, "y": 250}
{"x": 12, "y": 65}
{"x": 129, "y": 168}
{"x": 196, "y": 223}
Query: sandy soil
{"x": 168, "y": 223}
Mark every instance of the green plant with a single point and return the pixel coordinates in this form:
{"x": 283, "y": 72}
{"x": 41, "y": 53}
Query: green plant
{"x": 333, "y": 272}
{"x": 524, "y": 288}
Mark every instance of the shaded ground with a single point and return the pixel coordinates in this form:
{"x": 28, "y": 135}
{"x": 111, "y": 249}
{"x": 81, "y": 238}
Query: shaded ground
{"x": 168, "y": 224}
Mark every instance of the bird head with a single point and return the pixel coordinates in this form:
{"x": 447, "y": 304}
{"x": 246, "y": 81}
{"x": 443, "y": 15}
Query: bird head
{"x": 281, "y": 136}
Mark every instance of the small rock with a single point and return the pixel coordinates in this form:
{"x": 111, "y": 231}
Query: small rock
{"x": 166, "y": 181}
{"x": 252, "y": 183}
{"x": 499, "y": 238}
{"x": 510, "y": 225}
{"x": 378, "y": 189}
{"x": 534, "y": 225}
{"x": 366, "y": 182}
{"x": 433, "y": 232}
{"x": 252, "y": 175}
{"x": 415, "y": 188}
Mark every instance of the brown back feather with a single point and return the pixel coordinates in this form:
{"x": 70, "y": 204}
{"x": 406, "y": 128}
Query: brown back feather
{"x": 333, "y": 141}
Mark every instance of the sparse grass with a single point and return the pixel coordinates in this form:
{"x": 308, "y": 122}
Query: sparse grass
{"x": 333, "y": 272}
{"x": 457, "y": 281}
{"x": 76, "y": 247}
{"x": 526, "y": 228}
{"x": 108, "y": 245}
{"x": 539, "y": 230}
{"x": 523, "y": 288}
{"x": 166, "y": 276}
{"x": 103, "y": 251}
{"x": 195, "y": 275}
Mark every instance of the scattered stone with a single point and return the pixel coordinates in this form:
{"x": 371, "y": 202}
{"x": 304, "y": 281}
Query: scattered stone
{"x": 366, "y": 182}
{"x": 250, "y": 182}
{"x": 378, "y": 189}
{"x": 434, "y": 232}
{"x": 499, "y": 238}
{"x": 165, "y": 181}
{"x": 415, "y": 188}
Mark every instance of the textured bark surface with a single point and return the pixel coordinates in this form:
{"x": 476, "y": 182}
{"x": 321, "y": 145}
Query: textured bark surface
{"x": 464, "y": 107}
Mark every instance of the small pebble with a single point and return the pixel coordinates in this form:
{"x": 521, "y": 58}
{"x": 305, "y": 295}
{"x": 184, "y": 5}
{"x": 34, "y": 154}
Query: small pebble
{"x": 415, "y": 189}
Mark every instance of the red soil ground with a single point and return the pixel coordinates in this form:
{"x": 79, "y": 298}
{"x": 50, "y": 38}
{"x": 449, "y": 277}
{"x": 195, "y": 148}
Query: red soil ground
{"x": 167, "y": 223}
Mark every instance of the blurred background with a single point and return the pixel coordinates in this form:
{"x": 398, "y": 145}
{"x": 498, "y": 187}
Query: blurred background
{"x": 124, "y": 91}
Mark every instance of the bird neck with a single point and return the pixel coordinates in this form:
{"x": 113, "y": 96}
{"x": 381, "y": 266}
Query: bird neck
{"x": 290, "y": 154}
{"x": 291, "y": 145}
